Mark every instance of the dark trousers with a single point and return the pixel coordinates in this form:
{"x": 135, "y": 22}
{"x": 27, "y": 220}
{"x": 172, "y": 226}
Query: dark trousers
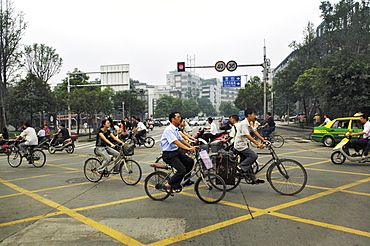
{"x": 181, "y": 162}
{"x": 359, "y": 144}
{"x": 138, "y": 136}
{"x": 267, "y": 131}
{"x": 208, "y": 137}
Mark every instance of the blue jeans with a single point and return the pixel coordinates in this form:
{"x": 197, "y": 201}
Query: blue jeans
{"x": 267, "y": 131}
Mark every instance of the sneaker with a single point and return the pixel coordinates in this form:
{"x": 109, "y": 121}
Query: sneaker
{"x": 355, "y": 155}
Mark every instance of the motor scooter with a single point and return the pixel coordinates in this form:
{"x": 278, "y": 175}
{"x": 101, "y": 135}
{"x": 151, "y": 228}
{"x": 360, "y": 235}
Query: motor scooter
{"x": 215, "y": 144}
{"x": 341, "y": 151}
{"x": 5, "y": 148}
{"x": 67, "y": 145}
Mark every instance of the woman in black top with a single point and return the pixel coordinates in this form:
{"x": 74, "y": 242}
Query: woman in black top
{"x": 104, "y": 147}
{"x": 4, "y": 134}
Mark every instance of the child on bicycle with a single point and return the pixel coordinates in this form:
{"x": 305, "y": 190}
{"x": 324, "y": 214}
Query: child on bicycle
{"x": 105, "y": 147}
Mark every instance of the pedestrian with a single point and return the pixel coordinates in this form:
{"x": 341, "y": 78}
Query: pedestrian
{"x": 316, "y": 119}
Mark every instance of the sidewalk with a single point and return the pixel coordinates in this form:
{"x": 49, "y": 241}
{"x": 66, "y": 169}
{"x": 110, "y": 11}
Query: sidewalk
{"x": 293, "y": 126}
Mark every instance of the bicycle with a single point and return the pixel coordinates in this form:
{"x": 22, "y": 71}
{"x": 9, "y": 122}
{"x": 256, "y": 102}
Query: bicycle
{"x": 36, "y": 157}
{"x": 276, "y": 140}
{"x": 130, "y": 171}
{"x": 285, "y": 176}
{"x": 148, "y": 142}
{"x": 209, "y": 187}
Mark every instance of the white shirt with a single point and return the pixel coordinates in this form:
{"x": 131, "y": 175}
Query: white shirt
{"x": 327, "y": 120}
{"x": 213, "y": 129}
{"x": 30, "y": 135}
{"x": 233, "y": 132}
{"x": 41, "y": 133}
{"x": 141, "y": 126}
{"x": 367, "y": 129}
{"x": 243, "y": 129}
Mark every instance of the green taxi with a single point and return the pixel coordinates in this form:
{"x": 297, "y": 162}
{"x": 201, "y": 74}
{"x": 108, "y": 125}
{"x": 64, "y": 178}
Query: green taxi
{"x": 328, "y": 134}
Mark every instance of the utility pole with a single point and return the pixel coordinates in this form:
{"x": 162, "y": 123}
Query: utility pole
{"x": 266, "y": 68}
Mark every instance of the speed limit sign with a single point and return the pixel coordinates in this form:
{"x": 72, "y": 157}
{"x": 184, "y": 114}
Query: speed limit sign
{"x": 231, "y": 66}
{"x": 220, "y": 66}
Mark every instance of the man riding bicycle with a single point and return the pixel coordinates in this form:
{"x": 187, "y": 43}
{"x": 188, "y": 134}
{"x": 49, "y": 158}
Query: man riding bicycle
{"x": 243, "y": 136}
{"x": 30, "y": 137}
{"x": 269, "y": 127}
{"x": 171, "y": 144}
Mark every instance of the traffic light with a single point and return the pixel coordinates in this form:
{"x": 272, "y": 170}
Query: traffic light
{"x": 181, "y": 67}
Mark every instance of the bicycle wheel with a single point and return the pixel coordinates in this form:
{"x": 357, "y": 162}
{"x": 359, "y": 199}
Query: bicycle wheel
{"x": 205, "y": 188}
{"x": 337, "y": 158}
{"x": 130, "y": 172}
{"x": 228, "y": 186}
{"x": 91, "y": 169}
{"x": 154, "y": 185}
{"x": 39, "y": 158}
{"x": 288, "y": 177}
{"x": 15, "y": 157}
{"x": 149, "y": 142}
{"x": 277, "y": 141}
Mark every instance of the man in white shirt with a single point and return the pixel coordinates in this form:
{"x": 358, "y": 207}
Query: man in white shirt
{"x": 210, "y": 134}
{"x": 30, "y": 137}
{"x": 359, "y": 144}
{"x": 141, "y": 130}
{"x": 243, "y": 131}
{"x": 234, "y": 119}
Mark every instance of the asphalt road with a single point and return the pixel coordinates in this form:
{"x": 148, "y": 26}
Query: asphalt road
{"x": 56, "y": 205}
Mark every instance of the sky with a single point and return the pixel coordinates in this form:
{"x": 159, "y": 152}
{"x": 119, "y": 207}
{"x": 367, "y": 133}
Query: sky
{"x": 153, "y": 35}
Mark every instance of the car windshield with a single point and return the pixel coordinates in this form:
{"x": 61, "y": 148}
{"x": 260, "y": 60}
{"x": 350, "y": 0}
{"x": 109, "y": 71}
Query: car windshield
{"x": 340, "y": 124}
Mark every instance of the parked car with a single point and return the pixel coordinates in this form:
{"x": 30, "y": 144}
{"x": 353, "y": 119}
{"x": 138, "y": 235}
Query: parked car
{"x": 295, "y": 118}
{"x": 193, "y": 122}
{"x": 328, "y": 134}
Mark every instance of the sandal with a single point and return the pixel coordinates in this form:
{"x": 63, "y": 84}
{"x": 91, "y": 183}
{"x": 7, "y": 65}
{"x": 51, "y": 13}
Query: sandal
{"x": 168, "y": 189}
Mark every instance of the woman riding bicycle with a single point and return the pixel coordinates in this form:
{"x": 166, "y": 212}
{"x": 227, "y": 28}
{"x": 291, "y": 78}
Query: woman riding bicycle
{"x": 105, "y": 147}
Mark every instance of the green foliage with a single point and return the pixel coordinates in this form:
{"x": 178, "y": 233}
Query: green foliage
{"x": 330, "y": 72}
{"x": 205, "y": 106}
{"x": 29, "y": 97}
{"x": 42, "y": 60}
{"x": 227, "y": 108}
{"x": 251, "y": 95}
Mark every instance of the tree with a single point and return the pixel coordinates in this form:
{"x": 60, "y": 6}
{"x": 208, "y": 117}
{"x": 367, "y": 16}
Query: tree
{"x": 227, "y": 108}
{"x": 205, "y": 106}
{"x": 29, "y": 97}
{"x": 251, "y": 95}
{"x": 42, "y": 60}
{"x": 190, "y": 108}
{"x": 164, "y": 106}
{"x": 12, "y": 27}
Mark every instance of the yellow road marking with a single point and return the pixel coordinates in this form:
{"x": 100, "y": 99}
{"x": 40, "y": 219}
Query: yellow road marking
{"x": 100, "y": 227}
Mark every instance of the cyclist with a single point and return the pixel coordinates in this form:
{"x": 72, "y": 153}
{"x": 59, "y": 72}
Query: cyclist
{"x": 171, "y": 144}
{"x": 28, "y": 134}
{"x": 140, "y": 131}
{"x": 105, "y": 147}
{"x": 243, "y": 134}
{"x": 269, "y": 127}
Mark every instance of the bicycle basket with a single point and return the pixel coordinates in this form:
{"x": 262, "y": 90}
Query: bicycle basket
{"x": 127, "y": 149}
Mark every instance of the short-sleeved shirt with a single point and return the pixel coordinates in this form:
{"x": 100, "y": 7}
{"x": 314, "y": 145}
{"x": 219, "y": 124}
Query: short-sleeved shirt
{"x": 169, "y": 136}
{"x": 99, "y": 141}
{"x": 30, "y": 135}
{"x": 41, "y": 133}
{"x": 64, "y": 132}
{"x": 367, "y": 130}
{"x": 270, "y": 122}
{"x": 242, "y": 130}
{"x": 213, "y": 129}
{"x": 141, "y": 126}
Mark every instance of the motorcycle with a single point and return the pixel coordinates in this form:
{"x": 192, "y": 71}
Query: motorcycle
{"x": 67, "y": 145}
{"x": 44, "y": 143}
{"x": 215, "y": 144}
{"x": 341, "y": 152}
{"x": 6, "y": 148}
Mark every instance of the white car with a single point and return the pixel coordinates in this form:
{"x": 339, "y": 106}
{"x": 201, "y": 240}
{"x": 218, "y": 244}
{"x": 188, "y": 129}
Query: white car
{"x": 193, "y": 122}
{"x": 202, "y": 122}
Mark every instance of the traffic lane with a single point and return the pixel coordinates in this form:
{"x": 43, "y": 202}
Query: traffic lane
{"x": 257, "y": 194}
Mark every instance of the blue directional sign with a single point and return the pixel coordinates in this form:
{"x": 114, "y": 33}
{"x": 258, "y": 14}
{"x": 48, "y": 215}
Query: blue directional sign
{"x": 231, "y": 81}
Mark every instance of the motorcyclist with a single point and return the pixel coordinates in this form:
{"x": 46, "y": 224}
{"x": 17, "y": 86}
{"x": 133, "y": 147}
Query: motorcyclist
{"x": 62, "y": 134}
{"x": 363, "y": 142}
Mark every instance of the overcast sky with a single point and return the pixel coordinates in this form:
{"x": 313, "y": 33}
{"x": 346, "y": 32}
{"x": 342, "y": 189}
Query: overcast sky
{"x": 153, "y": 35}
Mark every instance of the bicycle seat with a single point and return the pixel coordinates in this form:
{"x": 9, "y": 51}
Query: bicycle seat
{"x": 159, "y": 165}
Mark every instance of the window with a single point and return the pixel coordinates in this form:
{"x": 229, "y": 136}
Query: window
{"x": 356, "y": 124}
{"x": 341, "y": 124}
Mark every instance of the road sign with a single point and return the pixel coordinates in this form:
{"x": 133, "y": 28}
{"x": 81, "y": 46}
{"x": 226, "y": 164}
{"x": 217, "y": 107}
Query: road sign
{"x": 231, "y": 66}
{"x": 231, "y": 81}
{"x": 220, "y": 66}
